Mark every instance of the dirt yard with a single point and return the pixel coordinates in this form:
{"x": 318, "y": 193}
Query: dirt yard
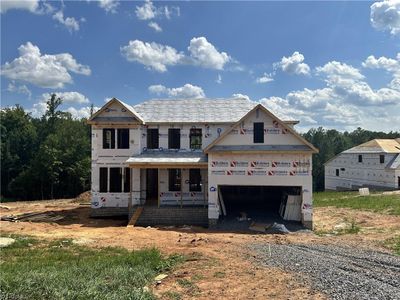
{"x": 219, "y": 265}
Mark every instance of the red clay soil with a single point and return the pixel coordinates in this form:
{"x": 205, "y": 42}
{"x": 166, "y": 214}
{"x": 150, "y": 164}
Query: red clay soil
{"x": 218, "y": 265}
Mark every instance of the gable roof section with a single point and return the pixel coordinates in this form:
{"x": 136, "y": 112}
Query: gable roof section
{"x": 376, "y": 146}
{"x": 129, "y": 108}
{"x": 271, "y": 115}
{"x": 373, "y": 146}
{"x": 194, "y": 110}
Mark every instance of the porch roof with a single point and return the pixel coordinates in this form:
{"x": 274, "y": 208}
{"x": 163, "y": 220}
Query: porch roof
{"x": 169, "y": 159}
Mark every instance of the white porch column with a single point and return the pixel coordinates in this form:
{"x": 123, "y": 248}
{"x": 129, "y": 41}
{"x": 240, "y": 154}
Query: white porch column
{"x": 135, "y": 188}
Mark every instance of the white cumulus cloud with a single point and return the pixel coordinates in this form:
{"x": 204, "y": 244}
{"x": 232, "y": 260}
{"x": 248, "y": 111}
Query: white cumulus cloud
{"x": 242, "y": 96}
{"x": 385, "y": 16}
{"x": 19, "y": 89}
{"x": 155, "y": 26}
{"x": 219, "y": 79}
{"x": 68, "y": 97}
{"x": 157, "y": 57}
{"x": 152, "y": 55}
{"x": 109, "y": 6}
{"x": 265, "y": 78}
{"x": 388, "y": 64}
{"x": 206, "y": 55}
{"x": 69, "y": 22}
{"x": 79, "y": 113}
{"x": 293, "y": 64}
{"x": 346, "y": 101}
{"x": 186, "y": 91}
{"x": 30, "y": 5}
{"x": 48, "y": 71}
{"x": 149, "y": 11}
{"x": 285, "y": 111}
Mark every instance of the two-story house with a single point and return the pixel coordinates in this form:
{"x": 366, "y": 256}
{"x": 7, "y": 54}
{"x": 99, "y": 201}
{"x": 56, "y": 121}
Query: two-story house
{"x": 374, "y": 164}
{"x": 196, "y": 155}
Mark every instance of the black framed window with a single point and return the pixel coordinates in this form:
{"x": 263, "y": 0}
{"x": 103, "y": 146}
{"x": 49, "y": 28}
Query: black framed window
{"x": 195, "y": 138}
{"x": 127, "y": 180}
{"x": 360, "y": 158}
{"x": 123, "y": 138}
{"x": 103, "y": 180}
{"x": 258, "y": 132}
{"x": 174, "y": 138}
{"x": 108, "y": 138}
{"x": 174, "y": 180}
{"x": 194, "y": 180}
{"x": 382, "y": 159}
{"x": 337, "y": 172}
{"x": 152, "y": 138}
{"x": 115, "y": 180}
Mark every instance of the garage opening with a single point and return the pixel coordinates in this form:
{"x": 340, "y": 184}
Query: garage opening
{"x": 245, "y": 205}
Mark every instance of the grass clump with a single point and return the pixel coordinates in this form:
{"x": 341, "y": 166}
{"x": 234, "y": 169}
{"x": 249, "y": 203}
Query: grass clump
{"x": 190, "y": 287}
{"x": 172, "y": 295}
{"x": 347, "y": 227}
{"x": 219, "y": 274}
{"x": 388, "y": 204}
{"x": 393, "y": 244}
{"x": 31, "y": 269}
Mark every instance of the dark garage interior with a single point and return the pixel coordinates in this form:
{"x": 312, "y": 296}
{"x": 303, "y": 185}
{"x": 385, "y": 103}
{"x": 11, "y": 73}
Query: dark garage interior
{"x": 256, "y": 203}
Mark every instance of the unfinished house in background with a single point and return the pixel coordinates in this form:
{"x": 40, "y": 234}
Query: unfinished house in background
{"x": 193, "y": 161}
{"x": 374, "y": 164}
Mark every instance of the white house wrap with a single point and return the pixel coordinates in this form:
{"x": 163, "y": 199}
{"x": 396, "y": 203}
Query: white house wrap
{"x": 181, "y": 152}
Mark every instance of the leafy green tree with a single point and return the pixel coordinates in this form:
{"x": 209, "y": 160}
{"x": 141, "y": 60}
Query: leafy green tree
{"x": 18, "y": 144}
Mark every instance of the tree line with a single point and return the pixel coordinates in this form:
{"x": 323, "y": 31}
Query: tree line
{"x": 43, "y": 158}
{"x": 49, "y": 157}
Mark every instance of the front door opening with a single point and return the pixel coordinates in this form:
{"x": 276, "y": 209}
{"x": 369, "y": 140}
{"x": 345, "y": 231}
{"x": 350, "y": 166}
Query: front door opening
{"x": 151, "y": 187}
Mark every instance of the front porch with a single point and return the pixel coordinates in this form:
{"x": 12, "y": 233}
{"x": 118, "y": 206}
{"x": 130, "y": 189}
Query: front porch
{"x": 164, "y": 178}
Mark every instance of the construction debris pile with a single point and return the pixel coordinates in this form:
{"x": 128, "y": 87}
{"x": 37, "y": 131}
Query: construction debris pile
{"x": 33, "y": 217}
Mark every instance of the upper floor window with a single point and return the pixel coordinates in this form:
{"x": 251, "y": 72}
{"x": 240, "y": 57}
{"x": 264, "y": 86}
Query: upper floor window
{"x": 360, "y": 158}
{"x": 194, "y": 180}
{"x": 174, "y": 180}
{"x": 258, "y": 132}
{"x": 152, "y": 138}
{"x": 174, "y": 138}
{"x": 123, "y": 138}
{"x": 108, "y": 138}
{"x": 195, "y": 138}
{"x": 382, "y": 159}
{"x": 337, "y": 172}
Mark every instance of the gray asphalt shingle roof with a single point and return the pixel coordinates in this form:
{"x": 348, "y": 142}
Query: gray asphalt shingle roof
{"x": 194, "y": 110}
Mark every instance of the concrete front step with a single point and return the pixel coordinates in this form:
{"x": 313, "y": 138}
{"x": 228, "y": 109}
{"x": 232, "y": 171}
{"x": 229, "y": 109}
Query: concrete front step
{"x": 173, "y": 216}
{"x": 109, "y": 212}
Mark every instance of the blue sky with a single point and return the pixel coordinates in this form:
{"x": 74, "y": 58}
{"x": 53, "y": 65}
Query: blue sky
{"x": 331, "y": 64}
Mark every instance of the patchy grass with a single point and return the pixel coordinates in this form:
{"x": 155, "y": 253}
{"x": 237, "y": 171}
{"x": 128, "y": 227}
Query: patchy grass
{"x": 34, "y": 269}
{"x": 172, "y": 295}
{"x": 350, "y": 227}
{"x": 219, "y": 274}
{"x": 393, "y": 244}
{"x": 388, "y": 204}
{"x": 190, "y": 287}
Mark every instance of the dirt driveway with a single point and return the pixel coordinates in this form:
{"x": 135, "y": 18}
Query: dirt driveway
{"x": 219, "y": 265}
